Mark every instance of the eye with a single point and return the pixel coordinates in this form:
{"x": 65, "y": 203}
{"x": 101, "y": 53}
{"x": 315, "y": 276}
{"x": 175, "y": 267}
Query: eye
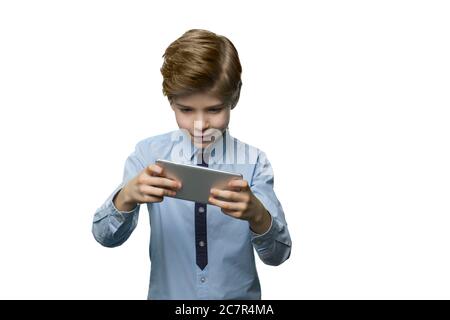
{"x": 216, "y": 110}
{"x": 184, "y": 110}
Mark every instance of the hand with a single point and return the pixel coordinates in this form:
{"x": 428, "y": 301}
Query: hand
{"x": 151, "y": 185}
{"x": 240, "y": 202}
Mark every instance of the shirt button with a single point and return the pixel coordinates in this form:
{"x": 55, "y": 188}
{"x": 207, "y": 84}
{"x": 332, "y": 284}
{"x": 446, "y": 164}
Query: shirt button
{"x": 201, "y": 243}
{"x": 202, "y": 279}
{"x": 201, "y": 209}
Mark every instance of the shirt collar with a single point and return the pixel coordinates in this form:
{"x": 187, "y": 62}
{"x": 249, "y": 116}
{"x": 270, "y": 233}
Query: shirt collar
{"x": 191, "y": 151}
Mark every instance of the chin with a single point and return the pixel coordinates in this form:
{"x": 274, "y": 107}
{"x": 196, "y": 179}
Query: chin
{"x": 201, "y": 144}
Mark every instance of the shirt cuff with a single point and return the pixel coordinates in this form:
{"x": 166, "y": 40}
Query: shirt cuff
{"x": 258, "y": 239}
{"x": 119, "y": 217}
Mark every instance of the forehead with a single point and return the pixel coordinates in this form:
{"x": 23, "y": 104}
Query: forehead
{"x": 198, "y": 100}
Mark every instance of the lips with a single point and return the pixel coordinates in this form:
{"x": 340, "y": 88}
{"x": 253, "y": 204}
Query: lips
{"x": 203, "y": 136}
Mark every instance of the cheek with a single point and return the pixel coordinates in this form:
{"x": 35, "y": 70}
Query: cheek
{"x": 220, "y": 121}
{"x": 183, "y": 121}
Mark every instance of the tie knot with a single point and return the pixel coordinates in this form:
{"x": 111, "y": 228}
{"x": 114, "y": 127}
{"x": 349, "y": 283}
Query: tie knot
{"x": 202, "y": 158}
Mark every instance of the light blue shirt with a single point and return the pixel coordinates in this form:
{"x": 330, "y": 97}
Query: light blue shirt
{"x": 231, "y": 271}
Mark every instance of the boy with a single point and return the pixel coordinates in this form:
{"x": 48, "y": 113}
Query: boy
{"x": 200, "y": 251}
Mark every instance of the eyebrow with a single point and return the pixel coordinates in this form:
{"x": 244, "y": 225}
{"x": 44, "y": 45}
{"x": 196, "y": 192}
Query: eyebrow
{"x": 210, "y": 107}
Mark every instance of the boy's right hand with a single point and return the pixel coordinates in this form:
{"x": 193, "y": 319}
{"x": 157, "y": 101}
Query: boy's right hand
{"x": 151, "y": 185}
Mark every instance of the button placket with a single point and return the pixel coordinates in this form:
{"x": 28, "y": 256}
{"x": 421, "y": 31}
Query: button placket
{"x": 201, "y": 248}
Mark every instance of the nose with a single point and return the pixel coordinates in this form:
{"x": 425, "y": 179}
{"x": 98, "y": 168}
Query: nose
{"x": 201, "y": 125}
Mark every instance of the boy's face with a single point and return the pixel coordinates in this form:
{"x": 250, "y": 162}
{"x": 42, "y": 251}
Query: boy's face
{"x": 204, "y": 116}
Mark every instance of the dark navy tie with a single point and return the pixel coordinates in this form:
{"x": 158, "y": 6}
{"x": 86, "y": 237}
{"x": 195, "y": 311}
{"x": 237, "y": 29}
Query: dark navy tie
{"x": 201, "y": 245}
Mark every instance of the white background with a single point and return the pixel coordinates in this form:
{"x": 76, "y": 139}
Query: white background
{"x": 349, "y": 99}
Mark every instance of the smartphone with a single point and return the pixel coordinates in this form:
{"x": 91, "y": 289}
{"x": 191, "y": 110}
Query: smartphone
{"x": 196, "y": 181}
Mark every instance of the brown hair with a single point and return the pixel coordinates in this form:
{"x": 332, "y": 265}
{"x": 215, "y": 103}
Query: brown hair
{"x": 202, "y": 61}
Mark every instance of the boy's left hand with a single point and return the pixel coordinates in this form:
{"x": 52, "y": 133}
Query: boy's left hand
{"x": 241, "y": 203}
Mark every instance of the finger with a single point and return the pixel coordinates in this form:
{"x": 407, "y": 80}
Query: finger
{"x": 236, "y": 189}
{"x": 233, "y": 188}
{"x": 164, "y": 183}
{"x": 227, "y": 195}
{"x": 225, "y": 205}
{"x": 239, "y": 183}
{"x": 154, "y": 170}
{"x": 147, "y": 198}
{"x": 154, "y": 191}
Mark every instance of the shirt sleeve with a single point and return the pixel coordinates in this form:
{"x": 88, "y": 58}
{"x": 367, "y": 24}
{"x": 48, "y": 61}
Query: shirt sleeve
{"x": 274, "y": 246}
{"x": 112, "y": 227}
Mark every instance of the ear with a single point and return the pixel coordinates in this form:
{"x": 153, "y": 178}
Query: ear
{"x": 236, "y": 95}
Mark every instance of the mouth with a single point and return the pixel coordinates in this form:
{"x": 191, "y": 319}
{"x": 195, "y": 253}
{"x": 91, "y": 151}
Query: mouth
{"x": 204, "y": 137}
{"x": 203, "y": 140}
